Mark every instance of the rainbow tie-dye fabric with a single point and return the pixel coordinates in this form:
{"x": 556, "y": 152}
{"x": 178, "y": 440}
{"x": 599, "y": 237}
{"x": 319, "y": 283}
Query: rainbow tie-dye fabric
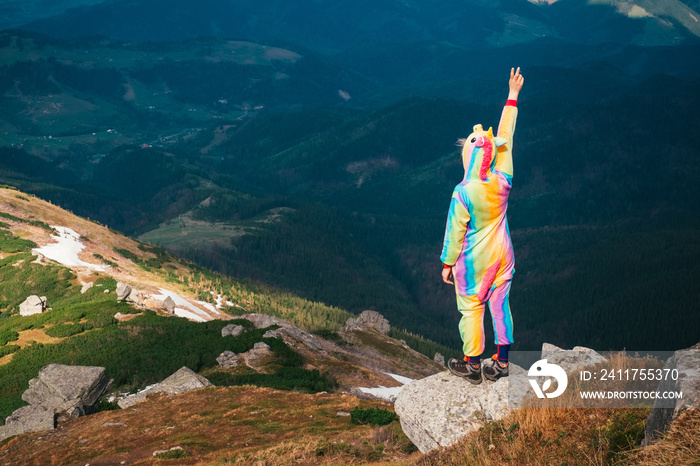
{"x": 477, "y": 241}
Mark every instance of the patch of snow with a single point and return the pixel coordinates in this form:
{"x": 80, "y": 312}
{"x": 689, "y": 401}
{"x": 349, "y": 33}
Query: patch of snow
{"x": 182, "y": 303}
{"x": 114, "y": 398}
{"x": 188, "y": 315}
{"x": 399, "y": 378}
{"x": 387, "y": 393}
{"x": 66, "y": 249}
{"x": 209, "y": 306}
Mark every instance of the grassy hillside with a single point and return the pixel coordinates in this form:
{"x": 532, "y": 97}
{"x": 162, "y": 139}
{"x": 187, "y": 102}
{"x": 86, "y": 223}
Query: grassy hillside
{"x": 81, "y": 328}
{"x": 238, "y": 425}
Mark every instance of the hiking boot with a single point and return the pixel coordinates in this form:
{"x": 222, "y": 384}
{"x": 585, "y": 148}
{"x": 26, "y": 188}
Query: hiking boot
{"x": 465, "y": 370}
{"x": 495, "y": 370}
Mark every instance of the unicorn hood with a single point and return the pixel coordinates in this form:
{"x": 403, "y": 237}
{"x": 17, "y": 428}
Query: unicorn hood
{"x": 479, "y": 153}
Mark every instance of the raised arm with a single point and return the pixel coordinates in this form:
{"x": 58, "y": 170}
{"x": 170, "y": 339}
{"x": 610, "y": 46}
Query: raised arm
{"x": 506, "y": 127}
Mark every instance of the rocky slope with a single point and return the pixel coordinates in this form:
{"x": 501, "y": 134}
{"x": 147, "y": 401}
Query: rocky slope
{"x": 135, "y": 290}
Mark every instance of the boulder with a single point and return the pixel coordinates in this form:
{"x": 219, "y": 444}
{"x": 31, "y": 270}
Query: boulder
{"x": 57, "y": 394}
{"x": 439, "y": 358}
{"x": 571, "y": 360}
{"x": 28, "y": 419}
{"x": 184, "y": 380}
{"x": 136, "y": 296}
{"x": 58, "y": 384}
{"x": 169, "y": 305}
{"x": 439, "y": 410}
{"x": 258, "y": 356}
{"x": 32, "y": 305}
{"x": 232, "y": 330}
{"x": 367, "y": 320}
{"x": 123, "y": 291}
{"x": 665, "y": 411}
{"x": 272, "y": 334}
{"x": 228, "y": 359}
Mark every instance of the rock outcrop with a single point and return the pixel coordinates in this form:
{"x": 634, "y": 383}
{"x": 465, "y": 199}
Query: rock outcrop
{"x": 263, "y": 320}
{"x": 137, "y": 297}
{"x": 439, "y": 358}
{"x": 123, "y": 291}
{"x": 32, "y": 305}
{"x": 571, "y": 360}
{"x": 232, "y": 330}
{"x": 665, "y": 411}
{"x": 59, "y": 383}
{"x": 368, "y": 319}
{"x": 439, "y": 410}
{"x": 258, "y": 356}
{"x": 169, "y": 305}
{"x": 228, "y": 359}
{"x": 58, "y": 393}
{"x": 28, "y": 419}
{"x": 184, "y": 380}
{"x": 289, "y": 332}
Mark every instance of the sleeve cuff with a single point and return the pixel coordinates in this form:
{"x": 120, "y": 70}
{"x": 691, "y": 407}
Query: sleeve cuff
{"x": 445, "y": 266}
{"x": 511, "y": 103}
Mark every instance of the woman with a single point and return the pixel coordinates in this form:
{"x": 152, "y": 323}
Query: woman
{"x": 477, "y": 250}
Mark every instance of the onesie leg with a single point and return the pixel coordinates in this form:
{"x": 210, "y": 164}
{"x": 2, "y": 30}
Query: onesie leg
{"x": 499, "y": 306}
{"x": 471, "y": 326}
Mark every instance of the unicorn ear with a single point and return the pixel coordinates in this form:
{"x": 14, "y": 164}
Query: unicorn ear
{"x": 500, "y": 141}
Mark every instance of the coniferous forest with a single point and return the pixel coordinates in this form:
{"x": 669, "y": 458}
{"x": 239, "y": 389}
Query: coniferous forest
{"x": 255, "y": 167}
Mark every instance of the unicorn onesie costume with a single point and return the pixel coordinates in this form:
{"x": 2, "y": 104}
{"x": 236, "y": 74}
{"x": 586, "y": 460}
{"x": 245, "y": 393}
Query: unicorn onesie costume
{"x": 477, "y": 245}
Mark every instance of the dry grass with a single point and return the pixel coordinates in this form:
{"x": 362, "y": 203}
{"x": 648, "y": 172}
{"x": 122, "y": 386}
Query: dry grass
{"x": 536, "y": 436}
{"x": 680, "y": 446}
{"x": 28, "y": 337}
{"x": 241, "y": 425}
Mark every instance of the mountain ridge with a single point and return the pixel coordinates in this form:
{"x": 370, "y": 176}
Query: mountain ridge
{"x": 389, "y": 21}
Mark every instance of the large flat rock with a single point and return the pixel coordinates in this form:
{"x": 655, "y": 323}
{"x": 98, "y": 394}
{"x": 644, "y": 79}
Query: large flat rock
{"x": 57, "y": 384}
{"x": 28, "y": 419}
{"x": 439, "y": 410}
{"x": 181, "y": 381}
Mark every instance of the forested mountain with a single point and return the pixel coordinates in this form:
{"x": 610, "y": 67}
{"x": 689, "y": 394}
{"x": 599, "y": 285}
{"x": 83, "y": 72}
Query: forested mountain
{"x": 311, "y": 146}
{"x": 333, "y": 26}
{"x": 15, "y": 13}
{"x": 346, "y": 205}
